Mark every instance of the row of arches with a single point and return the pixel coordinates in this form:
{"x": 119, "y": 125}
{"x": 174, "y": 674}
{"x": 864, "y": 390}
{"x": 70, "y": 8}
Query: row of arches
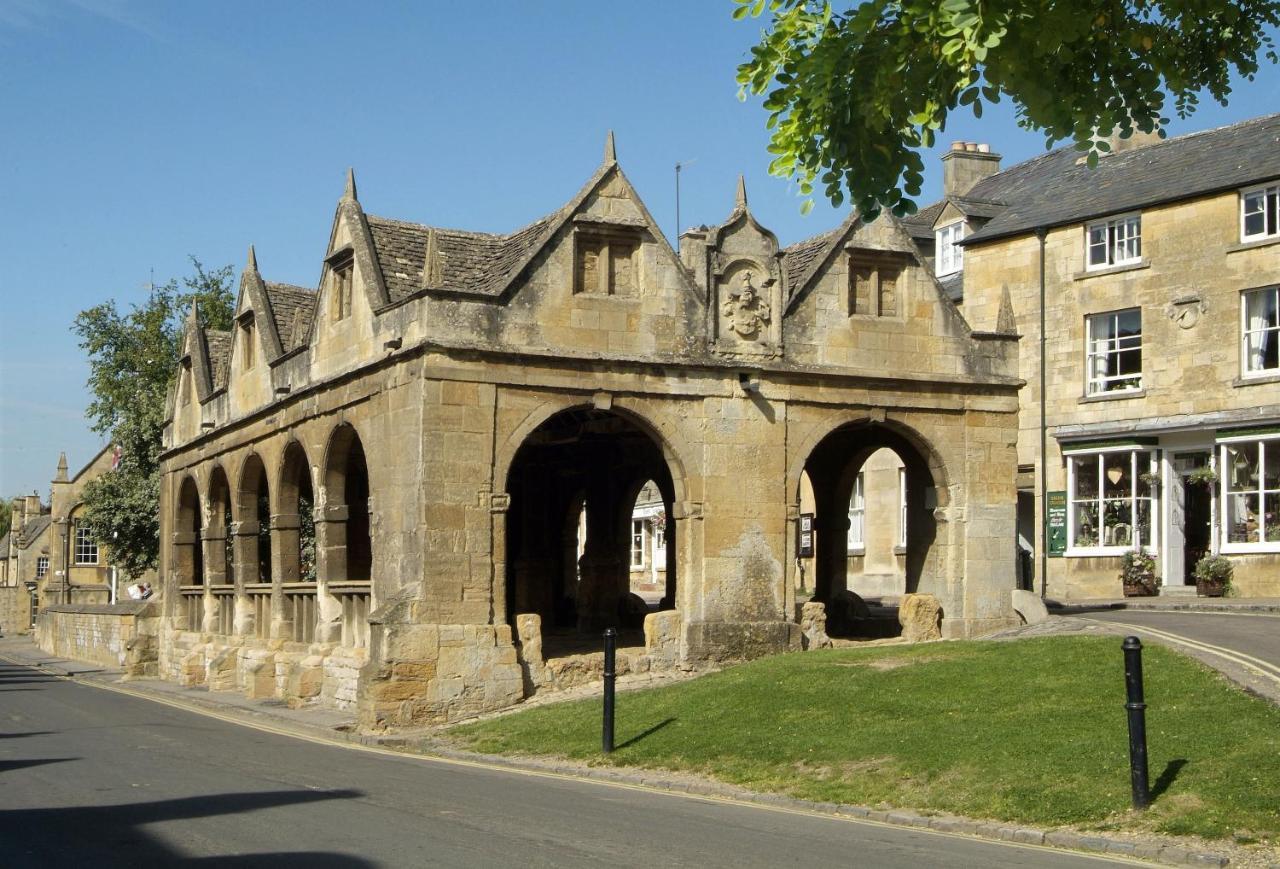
{"x": 251, "y": 553}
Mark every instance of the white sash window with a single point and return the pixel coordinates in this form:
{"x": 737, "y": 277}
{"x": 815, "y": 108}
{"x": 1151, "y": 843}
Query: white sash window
{"x": 1260, "y": 213}
{"x": 1260, "y": 330}
{"x": 1114, "y": 242}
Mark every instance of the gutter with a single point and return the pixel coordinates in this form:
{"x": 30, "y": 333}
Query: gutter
{"x": 1041, "y": 234}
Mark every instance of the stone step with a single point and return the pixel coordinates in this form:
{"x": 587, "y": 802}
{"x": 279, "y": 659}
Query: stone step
{"x": 1177, "y": 591}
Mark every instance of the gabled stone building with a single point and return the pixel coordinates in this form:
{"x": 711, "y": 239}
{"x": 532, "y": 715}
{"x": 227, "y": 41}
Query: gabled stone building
{"x": 24, "y": 558}
{"x": 1152, "y": 280}
{"x": 372, "y": 490}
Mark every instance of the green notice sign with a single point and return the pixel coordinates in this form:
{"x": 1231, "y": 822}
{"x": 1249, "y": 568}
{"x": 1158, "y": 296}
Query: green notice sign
{"x": 1056, "y": 522}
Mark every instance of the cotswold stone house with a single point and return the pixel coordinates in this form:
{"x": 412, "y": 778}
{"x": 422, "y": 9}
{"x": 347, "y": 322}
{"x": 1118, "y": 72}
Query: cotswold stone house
{"x": 372, "y": 490}
{"x": 24, "y": 558}
{"x": 1156, "y": 276}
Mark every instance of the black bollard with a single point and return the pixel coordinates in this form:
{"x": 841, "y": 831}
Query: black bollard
{"x": 610, "y": 653}
{"x": 1137, "y": 710}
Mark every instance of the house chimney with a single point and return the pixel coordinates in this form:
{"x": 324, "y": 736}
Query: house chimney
{"x": 1138, "y": 140}
{"x": 32, "y": 507}
{"x": 965, "y": 165}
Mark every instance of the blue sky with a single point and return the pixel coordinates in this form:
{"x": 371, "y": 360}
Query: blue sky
{"x": 141, "y": 132}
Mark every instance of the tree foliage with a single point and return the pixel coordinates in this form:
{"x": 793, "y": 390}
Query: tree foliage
{"x": 6, "y": 518}
{"x": 133, "y": 357}
{"x": 854, "y": 95}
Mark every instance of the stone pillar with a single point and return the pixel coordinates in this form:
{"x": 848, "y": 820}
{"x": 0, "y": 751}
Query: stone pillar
{"x": 284, "y": 568}
{"x": 244, "y": 545}
{"x": 604, "y": 565}
{"x": 331, "y": 567}
{"x": 499, "y": 505}
{"x": 214, "y": 543}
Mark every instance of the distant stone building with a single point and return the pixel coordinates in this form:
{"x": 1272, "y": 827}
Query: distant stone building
{"x": 1157, "y": 276}
{"x": 24, "y": 561}
{"x": 373, "y": 491}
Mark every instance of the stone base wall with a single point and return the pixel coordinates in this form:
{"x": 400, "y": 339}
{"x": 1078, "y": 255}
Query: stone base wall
{"x": 15, "y": 610}
{"x": 297, "y": 673}
{"x": 120, "y": 636}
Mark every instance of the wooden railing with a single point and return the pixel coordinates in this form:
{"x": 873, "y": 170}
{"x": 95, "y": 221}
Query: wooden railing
{"x": 354, "y": 598}
{"x": 259, "y": 595}
{"x": 192, "y": 607}
{"x": 300, "y": 608}
{"x": 224, "y": 599}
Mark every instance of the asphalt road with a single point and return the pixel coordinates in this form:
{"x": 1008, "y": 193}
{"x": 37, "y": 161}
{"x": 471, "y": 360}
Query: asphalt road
{"x": 90, "y": 777}
{"x": 1244, "y": 645}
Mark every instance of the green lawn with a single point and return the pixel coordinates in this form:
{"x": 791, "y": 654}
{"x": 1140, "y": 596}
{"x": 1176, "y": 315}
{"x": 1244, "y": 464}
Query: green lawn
{"x": 1030, "y": 731}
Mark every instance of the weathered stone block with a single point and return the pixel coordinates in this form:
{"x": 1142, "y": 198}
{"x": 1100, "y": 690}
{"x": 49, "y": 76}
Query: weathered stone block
{"x": 921, "y": 617}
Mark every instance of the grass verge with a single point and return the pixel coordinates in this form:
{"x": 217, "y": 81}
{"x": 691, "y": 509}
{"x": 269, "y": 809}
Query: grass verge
{"x": 1031, "y": 731}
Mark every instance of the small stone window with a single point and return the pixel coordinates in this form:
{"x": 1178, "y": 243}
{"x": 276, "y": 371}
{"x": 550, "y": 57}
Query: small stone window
{"x": 1114, "y": 242}
{"x": 248, "y": 343}
{"x": 606, "y": 263}
{"x": 874, "y": 285}
{"x": 1260, "y": 213}
{"x": 86, "y": 548}
{"x": 340, "y": 288}
{"x": 42, "y": 566}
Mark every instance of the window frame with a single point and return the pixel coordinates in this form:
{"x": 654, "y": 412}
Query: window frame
{"x": 638, "y": 544}
{"x": 1152, "y": 466}
{"x": 902, "y": 508}
{"x": 943, "y": 245}
{"x": 856, "y": 544}
{"x": 1268, "y": 191}
{"x": 1225, "y": 545}
{"x": 1245, "y": 332}
{"x": 82, "y": 544}
{"x": 1089, "y": 355}
{"x": 42, "y": 566}
{"x": 1113, "y": 241}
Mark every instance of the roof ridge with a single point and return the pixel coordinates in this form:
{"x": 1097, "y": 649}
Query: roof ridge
{"x": 464, "y": 233}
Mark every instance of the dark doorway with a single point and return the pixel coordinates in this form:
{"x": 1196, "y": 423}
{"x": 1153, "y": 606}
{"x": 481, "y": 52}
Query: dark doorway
{"x": 574, "y": 485}
{"x": 1197, "y": 518}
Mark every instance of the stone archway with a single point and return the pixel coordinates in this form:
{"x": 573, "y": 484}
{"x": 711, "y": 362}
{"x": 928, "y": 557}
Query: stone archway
{"x": 589, "y": 459}
{"x": 834, "y": 468}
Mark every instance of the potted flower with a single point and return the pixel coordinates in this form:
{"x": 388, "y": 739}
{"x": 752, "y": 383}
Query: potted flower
{"x": 1138, "y": 574}
{"x": 1213, "y": 576}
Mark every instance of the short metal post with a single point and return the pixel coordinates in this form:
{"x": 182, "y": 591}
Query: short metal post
{"x": 610, "y": 653}
{"x": 1137, "y": 722}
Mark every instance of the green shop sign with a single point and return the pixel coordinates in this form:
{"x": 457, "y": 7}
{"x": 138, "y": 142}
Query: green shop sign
{"x": 1056, "y": 522}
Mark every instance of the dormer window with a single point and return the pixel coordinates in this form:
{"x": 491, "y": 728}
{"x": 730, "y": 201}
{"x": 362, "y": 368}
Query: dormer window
{"x": 248, "y": 343}
{"x": 1260, "y": 213}
{"x": 340, "y": 289}
{"x": 949, "y": 257}
{"x": 1114, "y": 242}
{"x": 606, "y": 263}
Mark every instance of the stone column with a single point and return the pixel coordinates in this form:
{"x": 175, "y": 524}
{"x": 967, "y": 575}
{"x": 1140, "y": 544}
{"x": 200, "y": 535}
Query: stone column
{"x": 284, "y": 568}
{"x": 214, "y": 543}
{"x": 331, "y": 567}
{"x": 605, "y": 569}
{"x": 244, "y": 545}
{"x": 499, "y": 505}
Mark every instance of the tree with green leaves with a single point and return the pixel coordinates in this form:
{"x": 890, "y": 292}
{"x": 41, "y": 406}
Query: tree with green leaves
{"x": 6, "y": 517}
{"x": 133, "y": 357}
{"x": 853, "y": 94}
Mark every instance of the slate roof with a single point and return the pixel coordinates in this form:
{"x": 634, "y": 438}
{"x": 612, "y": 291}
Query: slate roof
{"x": 219, "y": 346}
{"x": 470, "y": 262}
{"x": 293, "y": 309}
{"x": 799, "y": 259}
{"x": 34, "y": 529}
{"x": 953, "y": 286}
{"x": 1058, "y": 188}
{"x": 920, "y": 224}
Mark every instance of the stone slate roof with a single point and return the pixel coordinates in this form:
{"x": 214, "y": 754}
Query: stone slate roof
{"x": 476, "y": 263}
{"x": 920, "y": 224}
{"x": 219, "y": 346}
{"x": 293, "y": 309}
{"x": 1058, "y": 188}
{"x": 34, "y": 529}
{"x": 800, "y": 259}
{"x": 953, "y": 286}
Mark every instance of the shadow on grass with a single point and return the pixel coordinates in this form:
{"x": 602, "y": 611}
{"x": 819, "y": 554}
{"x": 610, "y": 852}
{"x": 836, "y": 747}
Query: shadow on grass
{"x": 1171, "y": 770}
{"x": 652, "y": 730}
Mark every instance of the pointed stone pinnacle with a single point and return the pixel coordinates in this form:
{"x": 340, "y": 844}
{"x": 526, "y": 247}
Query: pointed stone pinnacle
{"x": 195, "y": 311}
{"x": 62, "y": 468}
{"x": 610, "y": 150}
{"x": 252, "y": 264}
{"x": 741, "y": 200}
{"x": 349, "y": 194}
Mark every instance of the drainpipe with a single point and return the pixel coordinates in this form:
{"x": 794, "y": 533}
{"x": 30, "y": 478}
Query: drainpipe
{"x": 1044, "y": 447}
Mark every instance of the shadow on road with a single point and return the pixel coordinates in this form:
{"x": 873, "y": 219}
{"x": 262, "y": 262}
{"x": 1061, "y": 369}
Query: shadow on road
{"x": 9, "y": 765}
{"x": 1171, "y": 770}
{"x": 652, "y": 730}
{"x": 106, "y": 836}
{"x": 28, "y": 733}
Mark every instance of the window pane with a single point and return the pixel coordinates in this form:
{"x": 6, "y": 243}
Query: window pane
{"x": 1086, "y": 524}
{"x": 1142, "y": 531}
{"x": 1271, "y": 465}
{"x": 1242, "y": 467}
{"x": 1086, "y": 474}
{"x": 1271, "y": 518}
{"x": 1117, "y": 479}
{"x": 1242, "y": 518}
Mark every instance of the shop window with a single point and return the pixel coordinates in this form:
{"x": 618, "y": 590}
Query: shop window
{"x": 1250, "y": 472}
{"x": 1111, "y": 501}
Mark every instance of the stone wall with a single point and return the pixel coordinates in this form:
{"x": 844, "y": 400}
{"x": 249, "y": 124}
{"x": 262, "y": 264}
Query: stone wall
{"x": 15, "y": 610}
{"x": 121, "y": 636}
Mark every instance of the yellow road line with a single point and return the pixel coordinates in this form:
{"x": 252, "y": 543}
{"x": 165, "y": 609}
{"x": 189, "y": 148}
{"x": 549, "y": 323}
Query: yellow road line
{"x": 546, "y": 774}
{"x": 1262, "y": 668}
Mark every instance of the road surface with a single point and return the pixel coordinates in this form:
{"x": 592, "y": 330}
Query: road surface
{"x": 92, "y": 777}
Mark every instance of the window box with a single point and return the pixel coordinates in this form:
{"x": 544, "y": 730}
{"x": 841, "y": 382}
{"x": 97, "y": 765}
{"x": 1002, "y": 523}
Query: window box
{"x": 1113, "y": 242}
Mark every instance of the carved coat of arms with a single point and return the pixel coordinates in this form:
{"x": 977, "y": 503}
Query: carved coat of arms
{"x": 745, "y": 310}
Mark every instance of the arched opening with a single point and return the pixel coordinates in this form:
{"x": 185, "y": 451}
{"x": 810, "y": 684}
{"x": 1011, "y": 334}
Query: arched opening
{"x": 188, "y": 555}
{"x": 872, "y": 492}
{"x": 348, "y": 546}
{"x": 575, "y": 483}
{"x": 219, "y": 553}
{"x": 294, "y": 536}
{"x": 344, "y": 540}
{"x": 648, "y": 555}
{"x": 252, "y": 511}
